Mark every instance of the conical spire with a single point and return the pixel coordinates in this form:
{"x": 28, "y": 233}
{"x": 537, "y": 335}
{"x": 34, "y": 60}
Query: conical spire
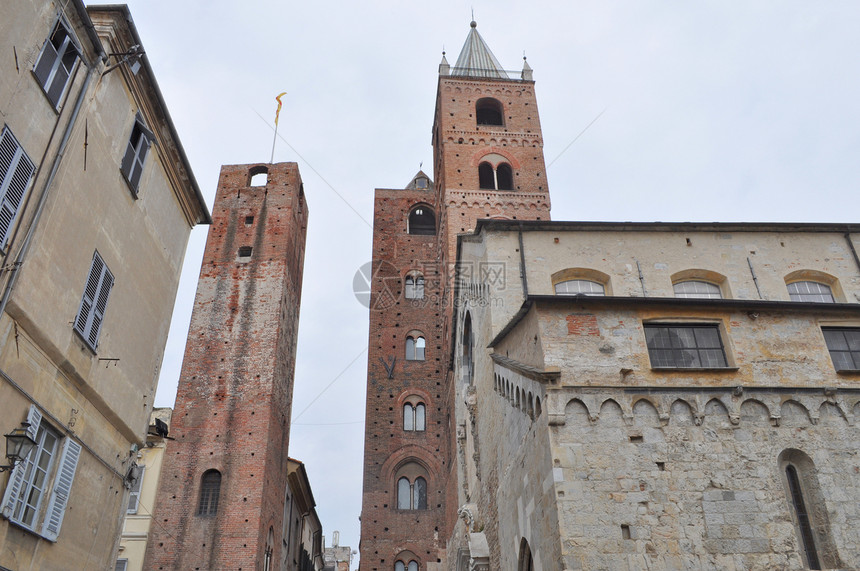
{"x": 476, "y": 59}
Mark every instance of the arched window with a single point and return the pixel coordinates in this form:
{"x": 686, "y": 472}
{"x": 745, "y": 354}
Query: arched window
{"x": 401, "y": 566}
{"x": 258, "y": 176}
{"x": 486, "y": 177}
{"x": 810, "y": 291}
{"x": 498, "y": 177}
{"x": 415, "y": 348}
{"x": 695, "y": 289}
{"x": 467, "y": 362}
{"x": 579, "y": 287}
{"x": 807, "y": 505}
{"x": 412, "y": 495}
{"x": 525, "y": 563}
{"x": 422, "y": 221}
{"x": 489, "y": 111}
{"x": 414, "y": 286}
{"x": 414, "y": 417}
{"x": 210, "y": 489}
{"x": 803, "y": 522}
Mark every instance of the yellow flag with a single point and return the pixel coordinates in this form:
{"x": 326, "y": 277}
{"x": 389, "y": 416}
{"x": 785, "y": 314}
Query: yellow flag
{"x": 278, "y": 112}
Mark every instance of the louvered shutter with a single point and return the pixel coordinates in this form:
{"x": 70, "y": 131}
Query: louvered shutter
{"x": 62, "y": 488}
{"x": 94, "y": 301}
{"x": 16, "y": 169}
{"x": 47, "y": 59}
{"x": 134, "y": 495}
{"x": 16, "y": 479}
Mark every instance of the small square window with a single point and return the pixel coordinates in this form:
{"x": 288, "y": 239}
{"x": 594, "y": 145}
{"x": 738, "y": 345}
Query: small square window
{"x": 844, "y": 346}
{"x": 685, "y": 346}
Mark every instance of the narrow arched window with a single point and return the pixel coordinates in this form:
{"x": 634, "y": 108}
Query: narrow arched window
{"x": 409, "y": 289}
{"x": 489, "y": 111}
{"x": 419, "y": 287}
{"x": 420, "y": 415}
{"x": 467, "y": 362}
{"x": 399, "y": 566}
{"x": 210, "y": 490}
{"x": 413, "y": 566}
{"x": 408, "y": 417}
{"x": 810, "y": 291}
{"x": 404, "y": 494}
{"x": 504, "y": 177}
{"x": 422, "y": 221}
{"x": 806, "y": 535}
{"x": 526, "y": 563}
{"x": 419, "y": 494}
{"x": 486, "y": 177}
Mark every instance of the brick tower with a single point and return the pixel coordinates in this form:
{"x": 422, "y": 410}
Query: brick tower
{"x": 221, "y": 498}
{"x": 488, "y": 160}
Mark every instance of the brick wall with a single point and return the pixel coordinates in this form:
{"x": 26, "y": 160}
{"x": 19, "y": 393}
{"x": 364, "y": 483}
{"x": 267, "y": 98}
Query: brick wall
{"x": 234, "y": 398}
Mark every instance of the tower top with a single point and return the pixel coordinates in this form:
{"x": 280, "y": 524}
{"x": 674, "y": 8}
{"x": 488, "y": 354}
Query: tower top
{"x": 476, "y": 59}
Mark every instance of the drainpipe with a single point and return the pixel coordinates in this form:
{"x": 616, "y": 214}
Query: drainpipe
{"x": 25, "y": 247}
{"x": 853, "y": 250}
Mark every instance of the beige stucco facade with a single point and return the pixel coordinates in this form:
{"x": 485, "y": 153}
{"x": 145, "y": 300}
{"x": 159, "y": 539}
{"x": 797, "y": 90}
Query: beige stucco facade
{"x": 576, "y": 447}
{"x": 139, "y": 510}
{"x": 94, "y": 397}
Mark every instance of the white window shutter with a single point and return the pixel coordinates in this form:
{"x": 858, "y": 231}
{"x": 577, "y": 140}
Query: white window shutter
{"x": 16, "y": 169}
{"x": 16, "y": 478}
{"x": 62, "y": 488}
{"x": 134, "y": 495}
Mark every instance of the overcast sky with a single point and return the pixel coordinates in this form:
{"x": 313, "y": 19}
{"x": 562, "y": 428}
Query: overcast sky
{"x": 711, "y": 111}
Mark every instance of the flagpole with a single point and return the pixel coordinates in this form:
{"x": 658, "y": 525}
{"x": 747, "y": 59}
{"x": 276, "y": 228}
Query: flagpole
{"x": 275, "y": 139}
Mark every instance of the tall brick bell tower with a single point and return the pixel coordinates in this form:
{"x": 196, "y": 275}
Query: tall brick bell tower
{"x": 488, "y": 163}
{"x": 221, "y": 498}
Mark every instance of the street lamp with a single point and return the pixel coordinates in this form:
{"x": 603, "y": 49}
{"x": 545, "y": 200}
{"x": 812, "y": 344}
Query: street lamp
{"x": 18, "y": 446}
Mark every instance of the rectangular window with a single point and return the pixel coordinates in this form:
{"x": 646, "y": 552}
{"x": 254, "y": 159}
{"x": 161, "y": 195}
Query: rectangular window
{"x": 56, "y": 62}
{"x": 38, "y": 489}
{"x": 16, "y": 170}
{"x": 94, "y": 302}
{"x": 121, "y": 565}
{"x": 135, "y": 153}
{"x": 685, "y": 346}
{"x": 844, "y": 346}
{"x": 134, "y": 494}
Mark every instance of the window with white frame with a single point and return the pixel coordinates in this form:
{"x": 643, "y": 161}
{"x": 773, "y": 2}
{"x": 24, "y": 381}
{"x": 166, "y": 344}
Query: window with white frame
{"x": 38, "y": 489}
{"x": 414, "y": 417}
{"x": 685, "y": 346}
{"x": 810, "y": 291}
{"x": 134, "y": 493}
{"x": 16, "y": 170}
{"x": 579, "y": 287}
{"x": 696, "y": 289}
{"x": 56, "y": 62}
{"x": 94, "y": 302}
{"x": 135, "y": 153}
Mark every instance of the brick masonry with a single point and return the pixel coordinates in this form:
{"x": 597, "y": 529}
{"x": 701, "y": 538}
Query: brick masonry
{"x": 234, "y": 398}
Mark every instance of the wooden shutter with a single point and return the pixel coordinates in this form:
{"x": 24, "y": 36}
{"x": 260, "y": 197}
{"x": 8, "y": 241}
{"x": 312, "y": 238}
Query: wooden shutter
{"x": 62, "y": 488}
{"x": 94, "y": 301}
{"x": 16, "y": 169}
{"x": 16, "y": 478}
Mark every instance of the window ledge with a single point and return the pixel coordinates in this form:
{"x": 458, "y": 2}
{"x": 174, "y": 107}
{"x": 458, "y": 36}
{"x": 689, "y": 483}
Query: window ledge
{"x": 848, "y": 372}
{"x": 708, "y": 369}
